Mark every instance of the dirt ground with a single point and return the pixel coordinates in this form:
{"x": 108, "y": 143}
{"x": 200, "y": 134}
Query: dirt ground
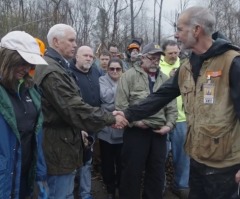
{"x": 99, "y": 192}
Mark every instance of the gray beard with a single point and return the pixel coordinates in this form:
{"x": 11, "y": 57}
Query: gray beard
{"x": 86, "y": 66}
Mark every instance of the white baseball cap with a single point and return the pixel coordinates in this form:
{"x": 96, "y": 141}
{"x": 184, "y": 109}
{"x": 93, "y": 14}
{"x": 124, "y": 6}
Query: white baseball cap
{"x": 25, "y": 45}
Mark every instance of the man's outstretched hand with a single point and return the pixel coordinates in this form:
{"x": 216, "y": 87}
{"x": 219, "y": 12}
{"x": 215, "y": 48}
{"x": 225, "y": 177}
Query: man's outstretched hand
{"x": 118, "y": 113}
{"x": 121, "y": 121}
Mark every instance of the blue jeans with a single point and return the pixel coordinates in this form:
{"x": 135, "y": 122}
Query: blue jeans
{"x": 181, "y": 161}
{"x": 85, "y": 180}
{"x": 61, "y": 186}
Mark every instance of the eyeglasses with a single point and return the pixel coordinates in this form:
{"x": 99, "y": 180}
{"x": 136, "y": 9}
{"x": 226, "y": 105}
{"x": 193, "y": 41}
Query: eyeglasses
{"x": 153, "y": 59}
{"x": 115, "y": 69}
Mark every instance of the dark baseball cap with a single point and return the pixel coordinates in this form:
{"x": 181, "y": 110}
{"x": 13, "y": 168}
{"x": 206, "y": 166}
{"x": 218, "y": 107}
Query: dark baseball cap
{"x": 152, "y": 48}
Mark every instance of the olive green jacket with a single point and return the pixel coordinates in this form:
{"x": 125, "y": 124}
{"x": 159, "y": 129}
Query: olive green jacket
{"x": 133, "y": 87}
{"x": 65, "y": 115}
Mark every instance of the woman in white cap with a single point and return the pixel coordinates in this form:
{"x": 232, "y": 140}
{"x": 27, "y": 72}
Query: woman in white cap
{"x": 21, "y": 157}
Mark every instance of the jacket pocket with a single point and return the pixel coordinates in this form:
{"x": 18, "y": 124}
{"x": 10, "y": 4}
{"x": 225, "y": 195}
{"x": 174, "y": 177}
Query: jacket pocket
{"x": 215, "y": 142}
{"x": 71, "y": 149}
{"x": 62, "y": 150}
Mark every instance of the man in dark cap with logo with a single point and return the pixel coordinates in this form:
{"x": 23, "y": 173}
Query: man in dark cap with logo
{"x": 144, "y": 146}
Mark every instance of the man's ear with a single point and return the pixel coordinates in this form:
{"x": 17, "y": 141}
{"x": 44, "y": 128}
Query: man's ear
{"x": 55, "y": 42}
{"x": 197, "y": 30}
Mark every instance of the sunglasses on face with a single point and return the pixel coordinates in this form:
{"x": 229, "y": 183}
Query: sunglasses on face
{"x": 115, "y": 69}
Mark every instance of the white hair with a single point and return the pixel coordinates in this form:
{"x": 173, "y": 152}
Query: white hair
{"x": 201, "y": 16}
{"x": 58, "y": 31}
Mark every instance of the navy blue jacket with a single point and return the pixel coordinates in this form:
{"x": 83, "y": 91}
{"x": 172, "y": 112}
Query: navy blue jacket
{"x": 89, "y": 84}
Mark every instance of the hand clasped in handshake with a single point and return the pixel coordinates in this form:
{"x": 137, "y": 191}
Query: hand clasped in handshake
{"x": 121, "y": 121}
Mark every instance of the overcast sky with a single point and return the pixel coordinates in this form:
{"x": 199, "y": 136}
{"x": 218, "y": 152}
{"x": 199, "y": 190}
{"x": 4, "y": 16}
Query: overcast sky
{"x": 169, "y": 6}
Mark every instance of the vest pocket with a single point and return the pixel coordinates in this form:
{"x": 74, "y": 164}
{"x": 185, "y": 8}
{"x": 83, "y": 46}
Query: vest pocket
{"x": 215, "y": 143}
{"x": 186, "y": 96}
{"x": 188, "y": 142}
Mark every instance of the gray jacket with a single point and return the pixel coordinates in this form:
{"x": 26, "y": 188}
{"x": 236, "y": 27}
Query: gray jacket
{"x": 108, "y": 89}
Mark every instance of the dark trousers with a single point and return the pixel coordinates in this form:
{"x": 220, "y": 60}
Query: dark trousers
{"x": 24, "y": 188}
{"x": 111, "y": 164}
{"x": 212, "y": 183}
{"x": 143, "y": 150}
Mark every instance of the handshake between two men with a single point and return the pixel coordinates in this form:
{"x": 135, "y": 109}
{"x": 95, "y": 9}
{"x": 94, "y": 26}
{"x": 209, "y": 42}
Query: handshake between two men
{"x": 121, "y": 122}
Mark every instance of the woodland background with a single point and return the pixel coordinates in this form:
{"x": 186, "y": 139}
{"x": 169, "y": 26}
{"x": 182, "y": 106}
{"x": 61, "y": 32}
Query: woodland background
{"x": 105, "y": 21}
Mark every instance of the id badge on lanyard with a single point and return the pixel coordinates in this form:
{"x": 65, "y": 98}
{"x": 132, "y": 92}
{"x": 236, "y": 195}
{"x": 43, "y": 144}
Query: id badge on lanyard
{"x": 208, "y": 91}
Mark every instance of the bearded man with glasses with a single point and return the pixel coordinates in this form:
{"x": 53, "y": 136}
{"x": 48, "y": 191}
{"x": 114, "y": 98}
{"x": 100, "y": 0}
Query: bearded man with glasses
{"x": 144, "y": 141}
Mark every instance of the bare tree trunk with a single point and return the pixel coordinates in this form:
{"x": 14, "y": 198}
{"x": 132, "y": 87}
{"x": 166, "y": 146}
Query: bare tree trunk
{"x": 132, "y": 19}
{"x": 56, "y": 11}
{"x": 85, "y": 22}
{"x": 133, "y": 16}
{"x": 22, "y": 10}
{"x": 160, "y": 21}
{"x": 154, "y": 20}
{"x": 115, "y": 22}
